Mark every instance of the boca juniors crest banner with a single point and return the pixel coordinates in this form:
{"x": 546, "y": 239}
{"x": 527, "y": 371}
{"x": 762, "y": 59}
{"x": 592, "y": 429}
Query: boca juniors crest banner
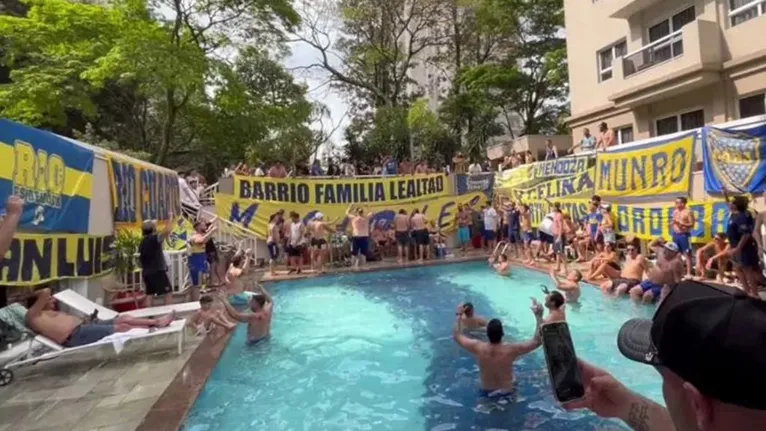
{"x": 483, "y": 182}
{"x": 51, "y": 173}
{"x": 734, "y": 160}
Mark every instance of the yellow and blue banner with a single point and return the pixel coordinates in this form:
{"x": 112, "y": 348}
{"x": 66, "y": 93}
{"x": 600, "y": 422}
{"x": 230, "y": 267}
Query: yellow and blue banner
{"x": 342, "y": 191}
{"x": 513, "y": 178}
{"x": 563, "y": 167}
{"x": 557, "y": 188}
{"x": 733, "y": 160}
{"x": 254, "y": 214}
{"x": 180, "y": 235}
{"x": 52, "y": 174}
{"x": 655, "y": 169}
{"x": 467, "y": 183}
{"x": 646, "y": 222}
{"x": 38, "y": 258}
{"x": 141, "y": 192}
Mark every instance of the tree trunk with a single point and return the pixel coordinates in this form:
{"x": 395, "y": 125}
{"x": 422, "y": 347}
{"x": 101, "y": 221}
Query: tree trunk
{"x": 167, "y": 127}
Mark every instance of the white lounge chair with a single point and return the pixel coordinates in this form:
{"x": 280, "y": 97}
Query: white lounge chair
{"x": 86, "y": 306}
{"x": 27, "y": 355}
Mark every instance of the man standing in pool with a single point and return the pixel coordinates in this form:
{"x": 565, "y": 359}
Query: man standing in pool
{"x": 495, "y": 359}
{"x": 469, "y": 319}
{"x": 258, "y": 319}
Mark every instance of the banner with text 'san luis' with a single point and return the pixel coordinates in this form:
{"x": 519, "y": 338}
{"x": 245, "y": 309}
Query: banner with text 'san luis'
{"x": 734, "y": 160}
{"x": 52, "y": 174}
{"x": 654, "y": 169}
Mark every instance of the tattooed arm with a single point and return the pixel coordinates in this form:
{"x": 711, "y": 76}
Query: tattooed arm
{"x": 609, "y": 398}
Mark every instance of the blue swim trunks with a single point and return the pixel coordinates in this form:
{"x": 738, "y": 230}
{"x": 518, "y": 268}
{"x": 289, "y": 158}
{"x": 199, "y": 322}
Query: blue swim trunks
{"x": 87, "y": 333}
{"x": 527, "y": 237}
{"x": 683, "y": 241}
{"x": 197, "y": 266}
{"x": 489, "y": 235}
{"x": 497, "y": 394}
{"x": 463, "y": 234}
{"x": 647, "y": 285}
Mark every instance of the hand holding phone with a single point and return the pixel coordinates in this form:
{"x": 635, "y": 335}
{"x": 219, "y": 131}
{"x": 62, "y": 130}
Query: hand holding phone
{"x": 563, "y": 368}
{"x": 545, "y": 289}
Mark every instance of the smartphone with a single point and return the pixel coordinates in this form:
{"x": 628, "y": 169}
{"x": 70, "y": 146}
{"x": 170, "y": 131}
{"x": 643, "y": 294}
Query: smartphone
{"x": 545, "y": 289}
{"x": 563, "y": 369}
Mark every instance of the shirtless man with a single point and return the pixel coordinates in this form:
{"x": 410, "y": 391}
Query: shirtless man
{"x": 360, "y": 232}
{"x": 554, "y": 302}
{"x": 495, "y": 359}
{"x": 605, "y": 264}
{"x": 559, "y": 239}
{"x": 402, "y": 235}
{"x": 420, "y": 230}
{"x": 469, "y": 320}
{"x": 272, "y": 241}
{"x": 632, "y": 273}
{"x": 717, "y": 246}
{"x": 503, "y": 267}
{"x": 235, "y": 289}
{"x": 70, "y": 331}
{"x": 668, "y": 271}
{"x": 463, "y": 226}
{"x": 318, "y": 241}
{"x": 682, "y": 224}
{"x": 605, "y": 137}
{"x": 258, "y": 319}
{"x": 570, "y": 285}
{"x": 525, "y": 223}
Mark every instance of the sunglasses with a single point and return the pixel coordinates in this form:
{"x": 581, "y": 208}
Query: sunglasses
{"x": 631, "y": 249}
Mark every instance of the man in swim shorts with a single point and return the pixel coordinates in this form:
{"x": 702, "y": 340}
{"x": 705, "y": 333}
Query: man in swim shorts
{"x": 70, "y": 331}
{"x": 360, "y": 231}
{"x": 318, "y": 242}
{"x": 632, "y": 272}
{"x": 683, "y": 223}
{"x": 668, "y": 271}
{"x": 235, "y": 289}
{"x": 420, "y": 232}
{"x": 490, "y": 226}
{"x": 402, "y": 235}
{"x": 494, "y": 358}
{"x": 258, "y": 319}
{"x": 197, "y": 258}
{"x": 464, "y": 226}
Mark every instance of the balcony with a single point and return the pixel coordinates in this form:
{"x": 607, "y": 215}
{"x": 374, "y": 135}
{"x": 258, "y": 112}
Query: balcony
{"x": 679, "y": 62}
{"x": 624, "y": 9}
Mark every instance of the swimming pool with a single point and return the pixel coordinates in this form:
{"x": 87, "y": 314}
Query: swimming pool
{"x": 374, "y": 351}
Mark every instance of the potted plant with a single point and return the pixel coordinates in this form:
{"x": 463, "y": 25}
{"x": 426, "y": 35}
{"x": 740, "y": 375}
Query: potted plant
{"x": 128, "y": 293}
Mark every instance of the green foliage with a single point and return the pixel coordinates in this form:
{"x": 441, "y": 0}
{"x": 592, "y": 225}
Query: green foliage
{"x": 145, "y": 78}
{"x": 125, "y": 247}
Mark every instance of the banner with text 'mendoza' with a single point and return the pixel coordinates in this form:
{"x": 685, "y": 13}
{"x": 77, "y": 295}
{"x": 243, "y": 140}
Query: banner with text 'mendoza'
{"x": 254, "y": 214}
{"x": 142, "y": 192}
{"x": 654, "y": 169}
{"x": 52, "y": 174}
{"x": 734, "y": 160}
{"x": 38, "y": 258}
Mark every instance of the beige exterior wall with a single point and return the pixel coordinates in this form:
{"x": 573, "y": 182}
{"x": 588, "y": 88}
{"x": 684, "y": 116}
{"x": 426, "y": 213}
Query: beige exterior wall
{"x": 720, "y": 64}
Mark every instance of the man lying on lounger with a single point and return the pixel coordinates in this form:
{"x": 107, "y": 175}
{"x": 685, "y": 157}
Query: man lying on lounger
{"x": 70, "y": 331}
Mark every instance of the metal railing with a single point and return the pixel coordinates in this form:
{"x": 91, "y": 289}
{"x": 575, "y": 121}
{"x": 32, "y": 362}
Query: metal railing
{"x": 659, "y": 51}
{"x": 746, "y": 12}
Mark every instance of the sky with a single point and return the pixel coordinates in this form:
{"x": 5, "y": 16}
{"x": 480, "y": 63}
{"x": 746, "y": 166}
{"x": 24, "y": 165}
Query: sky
{"x": 318, "y": 88}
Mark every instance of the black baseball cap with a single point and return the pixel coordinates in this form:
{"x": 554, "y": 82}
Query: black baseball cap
{"x": 712, "y": 336}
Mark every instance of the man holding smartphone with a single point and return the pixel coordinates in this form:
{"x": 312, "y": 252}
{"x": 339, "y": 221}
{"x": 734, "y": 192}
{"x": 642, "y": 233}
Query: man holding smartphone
{"x": 495, "y": 359}
{"x": 707, "y": 344}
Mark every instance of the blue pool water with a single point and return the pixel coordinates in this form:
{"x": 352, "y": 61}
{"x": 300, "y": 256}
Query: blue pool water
{"x": 374, "y": 351}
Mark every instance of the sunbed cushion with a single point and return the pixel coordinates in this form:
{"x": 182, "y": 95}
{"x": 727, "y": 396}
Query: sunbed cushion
{"x": 14, "y": 316}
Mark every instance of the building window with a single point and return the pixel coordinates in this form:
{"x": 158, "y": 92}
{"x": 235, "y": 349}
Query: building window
{"x": 624, "y": 135}
{"x": 607, "y": 56}
{"x": 676, "y": 123}
{"x": 745, "y": 10}
{"x": 672, "y": 47}
{"x": 752, "y": 106}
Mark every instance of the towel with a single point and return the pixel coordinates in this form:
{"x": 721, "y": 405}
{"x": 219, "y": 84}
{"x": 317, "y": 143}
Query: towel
{"x": 118, "y": 339}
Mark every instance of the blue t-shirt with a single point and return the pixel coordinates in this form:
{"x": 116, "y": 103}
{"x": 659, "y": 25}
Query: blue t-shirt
{"x": 594, "y": 220}
{"x": 741, "y": 224}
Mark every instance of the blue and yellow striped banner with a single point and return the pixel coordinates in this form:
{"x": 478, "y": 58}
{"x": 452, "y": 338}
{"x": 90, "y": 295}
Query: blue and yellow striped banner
{"x": 53, "y": 175}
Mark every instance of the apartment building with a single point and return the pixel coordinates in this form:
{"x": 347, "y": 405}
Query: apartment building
{"x": 649, "y": 68}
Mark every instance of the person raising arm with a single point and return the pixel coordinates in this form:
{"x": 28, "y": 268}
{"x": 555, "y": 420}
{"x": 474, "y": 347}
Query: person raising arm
{"x": 14, "y": 207}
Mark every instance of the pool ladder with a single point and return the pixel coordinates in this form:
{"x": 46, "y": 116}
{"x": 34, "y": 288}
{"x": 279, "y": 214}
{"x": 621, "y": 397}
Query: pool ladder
{"x": 504, "y": 244}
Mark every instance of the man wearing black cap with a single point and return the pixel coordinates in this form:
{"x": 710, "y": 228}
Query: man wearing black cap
{"x": 707, "y": 344}
{"x": 494, "y": 358}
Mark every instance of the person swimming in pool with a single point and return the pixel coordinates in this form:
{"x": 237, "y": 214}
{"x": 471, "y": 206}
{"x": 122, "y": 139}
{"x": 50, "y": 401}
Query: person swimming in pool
{"x": 495, "y": 359}
{"x": 258, "y": 319}
{"x": 235, "y": 289}
{"x": 502, "y": 266}
{"x": 470, "y": 320}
